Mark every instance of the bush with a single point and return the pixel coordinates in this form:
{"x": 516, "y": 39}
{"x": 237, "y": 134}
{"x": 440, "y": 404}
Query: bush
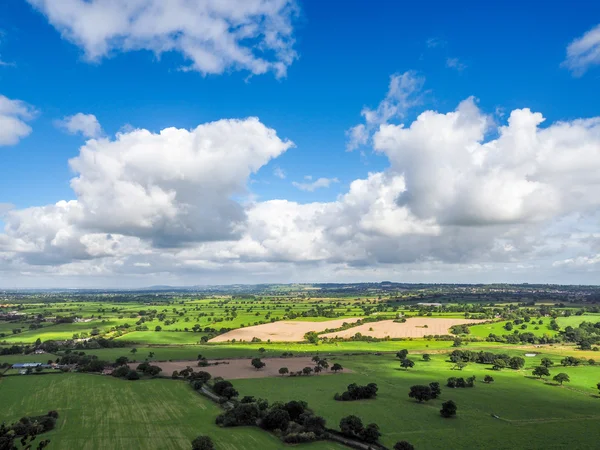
{"x": 133, "y": 375}
{"x": 203, "y": 443}
{"x": 448, "y": 409}
{"x": 356, "y": 392}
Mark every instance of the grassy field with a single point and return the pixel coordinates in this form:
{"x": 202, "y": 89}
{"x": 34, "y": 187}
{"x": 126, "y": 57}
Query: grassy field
{"x": 533, "y": 414}
{"x": 106, "y": 413}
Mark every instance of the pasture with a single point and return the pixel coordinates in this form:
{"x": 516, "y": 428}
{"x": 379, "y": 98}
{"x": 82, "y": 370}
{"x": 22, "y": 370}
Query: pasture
{"x": 533, "y": 414}
{"x": 97, "y": 413}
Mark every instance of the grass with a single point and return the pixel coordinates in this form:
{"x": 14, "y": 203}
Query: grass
{"x": 99, "y": 413}
{"x": 531, "y": 411}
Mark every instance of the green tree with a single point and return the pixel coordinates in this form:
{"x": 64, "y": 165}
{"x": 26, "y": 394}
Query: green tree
{"x": 516, "y": 362}
{"x": 133, "y": 351}
{"x": 448, "y": 409}
{"x": 337, "y": 367}
{"x": 283, "y": 371}
{"x": 257, "y": 363}
{"x": 547, "y": 362}
{"x": 420, "y": 393}
{"x": 351, "y": 426}
{"x": 402, "y": 354}
{"x": 307, "y": 370}
{"x": 561, "y": 378}
{"x": 403, "y": 445}
{"x": 541, "y": 371}
{"x": 426, "y": 357}
{"x": 407, "y": 363}
{"x": 488, "y": 379}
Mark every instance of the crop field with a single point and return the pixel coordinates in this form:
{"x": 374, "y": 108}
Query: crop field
{"x": 99, "y": 413}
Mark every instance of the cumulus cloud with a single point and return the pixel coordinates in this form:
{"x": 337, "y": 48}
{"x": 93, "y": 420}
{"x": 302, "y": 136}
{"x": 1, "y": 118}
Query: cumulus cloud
{"x": 314, "y": 185}
{"x": 453, "y": 205}
{"x": 86, "y": 124}
{"x": 403, "y": 93}
{"x": 583, "y": 52}
{"x": 213, "y": 35}
{"x": 13, "y": 117}
{"x": 167, "y": 189}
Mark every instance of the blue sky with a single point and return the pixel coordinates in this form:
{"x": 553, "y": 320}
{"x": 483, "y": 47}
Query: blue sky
{"x": 508, "y": 55}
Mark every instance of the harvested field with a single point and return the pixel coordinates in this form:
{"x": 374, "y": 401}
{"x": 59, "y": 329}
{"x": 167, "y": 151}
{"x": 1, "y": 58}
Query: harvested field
{"x": 240, "y": 368}
{"x": 282, "y": 331}
{"x": 414, "y": 327}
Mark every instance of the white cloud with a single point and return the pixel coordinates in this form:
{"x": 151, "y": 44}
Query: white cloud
{"x": 453, "y": 205}
{"x": 213, "y": 35}
{"x": 434, "y": 42}
{"x": 456, "y": 64}
{"x": 13, "y": 117}
{"x": 279, "y": 173}
{"x": 86, "y": 124}
{"x": 317, "y": 184}
{"x": 403, "y": 93}
{"x": 583, "y": 52}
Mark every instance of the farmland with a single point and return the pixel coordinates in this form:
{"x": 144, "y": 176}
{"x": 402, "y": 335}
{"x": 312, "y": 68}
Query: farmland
{"x": 361, "y": 332}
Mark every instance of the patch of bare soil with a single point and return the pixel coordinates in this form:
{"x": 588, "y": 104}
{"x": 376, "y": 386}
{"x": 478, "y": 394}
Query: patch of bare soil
{"x": 414, "y": 327}
{"x": 241, "y": 368}
{"x": 282, "y": 331}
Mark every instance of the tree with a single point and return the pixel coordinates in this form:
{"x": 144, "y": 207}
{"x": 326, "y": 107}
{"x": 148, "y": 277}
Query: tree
{"x": 316, "y": 359}
{"x": 323, "y": 363}
{"x": 541, "y": 371}
{"x": 516, "y": 362}
{"x": 499, "y": 364}
{"x": 175, "y": 374}
{"x": 261, "y": 350}
{"x": 403, "y": 445}
{"x": 158, "y": 328}
{"x": 426, "y": 357}
{"x": 307, "y": 370}
{"x": 547, "y": 362}
{"x": 203, "y": 443}
{"x": 133, "y": 375}
{"x": 276, "y": 418}
{"x": 561, "y": 378}
{"x": 337, "y": 367}
{"x": 460, "y": 365}
{"x": 317, "y": 369}
{"x": 488, "y": 379}
{"x": 402, "y": 354}
{"x": 421, "y": 393}
{"x": 133, "y": 351}
{"x": 435, "y": 389}
{"x": 257, "y": 363}
{"x": 283, "y": 371}
{"x": 351, "y": 426}
{"x": 407, "y": 363}
{"x": 371, "y": 433}
{"x": 448, "y": 409}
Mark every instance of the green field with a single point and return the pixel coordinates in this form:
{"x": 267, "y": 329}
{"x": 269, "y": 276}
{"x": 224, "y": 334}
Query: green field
{"x": 99, "y": 412}
{"x": 533, "y": 414}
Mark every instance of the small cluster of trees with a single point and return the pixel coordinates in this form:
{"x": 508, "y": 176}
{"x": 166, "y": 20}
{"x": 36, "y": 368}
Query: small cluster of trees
{"x": 27, "y": 429}
{"x": 460, "y": 382}
{"x": 543, "y": 371}
{"x": 293, "y": 421}
{"x": 321, "y": 364}
{"x": 499, "y": 361}
{"x": 404, "y": 361}
{"x": 203, "y": 443}
{"x": 353, "y": 427}
{"x": 356, "y": 392}
{"x": 424, "y": 393}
